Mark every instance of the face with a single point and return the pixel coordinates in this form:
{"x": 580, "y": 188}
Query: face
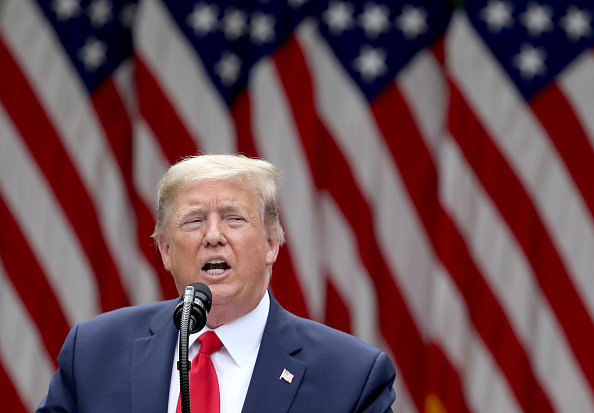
{"x": 215, "y": 235}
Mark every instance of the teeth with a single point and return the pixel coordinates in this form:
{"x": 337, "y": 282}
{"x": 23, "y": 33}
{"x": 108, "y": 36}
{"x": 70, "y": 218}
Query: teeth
{"x": 215, "y": 266}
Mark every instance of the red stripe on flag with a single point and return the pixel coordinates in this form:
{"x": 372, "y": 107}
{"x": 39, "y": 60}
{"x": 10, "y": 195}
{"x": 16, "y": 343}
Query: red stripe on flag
{"x": 420, "y": 177}
{"x": 286, "y": 287}
{"x": 337, "y": 314}
{"x": 30, "y": 282}
{"x": 44, "y": 144}
{"x": 517, "y": 209}
{"x": 176, "y": 142}
{"x": 10, "y": 400}
{"x": 118, "y": 129}
{"x": 241, "y": 112}
{"x": 146, "y": 227}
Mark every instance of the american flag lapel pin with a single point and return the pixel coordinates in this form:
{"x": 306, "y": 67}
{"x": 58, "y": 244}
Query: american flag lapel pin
{"x": 287, "y": 376}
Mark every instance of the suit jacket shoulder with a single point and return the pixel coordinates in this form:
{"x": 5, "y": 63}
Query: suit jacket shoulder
{"x": 118, "y": 361}
{"x": 325, "y": 370}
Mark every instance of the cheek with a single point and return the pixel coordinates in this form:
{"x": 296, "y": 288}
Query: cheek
{"x": 181, "y": 253}
{"x": 251, "y": 255}
{"x": 186, "y": 241}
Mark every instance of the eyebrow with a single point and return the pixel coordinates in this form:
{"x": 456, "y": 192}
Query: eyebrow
{"x": 194, "y": 210}
{"x": 200, "y": 210}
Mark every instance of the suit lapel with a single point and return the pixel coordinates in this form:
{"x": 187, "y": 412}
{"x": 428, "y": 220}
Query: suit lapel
{"x": 152, "y": 358}
{"x": 268, "y": 392}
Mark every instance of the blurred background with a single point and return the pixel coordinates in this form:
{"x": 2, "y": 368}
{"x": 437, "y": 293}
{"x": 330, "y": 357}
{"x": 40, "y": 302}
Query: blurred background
{"x": 438, "y": 177}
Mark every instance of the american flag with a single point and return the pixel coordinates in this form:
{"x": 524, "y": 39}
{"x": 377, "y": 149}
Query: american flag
{"x": 437, "y": 162}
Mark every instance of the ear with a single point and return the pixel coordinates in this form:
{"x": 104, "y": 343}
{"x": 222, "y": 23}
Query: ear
{"x": 272, "y": 250}
{"x": 164, "y": 250}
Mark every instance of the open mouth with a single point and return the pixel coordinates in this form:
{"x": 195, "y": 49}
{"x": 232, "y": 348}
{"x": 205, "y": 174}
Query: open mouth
{"x": 216, "y": 266}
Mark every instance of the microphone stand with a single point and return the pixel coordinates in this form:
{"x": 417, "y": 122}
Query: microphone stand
{"x": 190, "y": 317}
{"x": 184, "y": 364}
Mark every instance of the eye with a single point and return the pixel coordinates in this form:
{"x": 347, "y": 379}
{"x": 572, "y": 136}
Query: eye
{"x": 193, "y": 220}
{"x": 235, "y": 219}
{"x": 192, "y": 223}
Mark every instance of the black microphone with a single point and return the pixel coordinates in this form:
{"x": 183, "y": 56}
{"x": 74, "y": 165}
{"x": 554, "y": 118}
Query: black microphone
{"x": 199, "y": 295}
{"x": 189, "y": 317}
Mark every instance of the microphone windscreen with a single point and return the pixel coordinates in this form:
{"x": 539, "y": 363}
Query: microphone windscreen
{"x": 201, "y": 288}
{"x": 201, "y": 304}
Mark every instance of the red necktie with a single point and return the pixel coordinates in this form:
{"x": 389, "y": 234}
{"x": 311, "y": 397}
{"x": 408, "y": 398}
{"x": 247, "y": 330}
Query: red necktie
{"x": 204, "y": 384}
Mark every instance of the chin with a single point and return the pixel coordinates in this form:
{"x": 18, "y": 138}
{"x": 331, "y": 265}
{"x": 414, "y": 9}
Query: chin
{"x": 220, "y": 294}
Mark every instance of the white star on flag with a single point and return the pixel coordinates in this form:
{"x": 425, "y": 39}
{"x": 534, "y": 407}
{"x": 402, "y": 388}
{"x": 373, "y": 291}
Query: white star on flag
{"x": 537, "y": 19}
{"x": 576, "y": 23}
{"x": 338, "y": 17}
{"x": 93, "y": 54}
{"x": 203, "y": 19}
{"x": 228, "y": 68}
{"x": 412, "y": 21}
{"x": 374, "y": 20}
{"x": 497, "y": 15}
{"x": 234, "y": 23}
{"x": 262, "y": 28}
{"x": 128, "y": 14}
{"x": 530, "y": 61}
{"x": 371, "y": 63}
{"x": 100, "y": 12}
{"x": 66, "y": 9}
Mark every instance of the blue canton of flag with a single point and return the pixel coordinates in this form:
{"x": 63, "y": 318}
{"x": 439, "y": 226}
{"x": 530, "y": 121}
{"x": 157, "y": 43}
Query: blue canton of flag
{"x": 231, "y": 36}
{"x": 376, "y": 39}
{"x": 95, "y": 33}
{"x": 534, "y": 41}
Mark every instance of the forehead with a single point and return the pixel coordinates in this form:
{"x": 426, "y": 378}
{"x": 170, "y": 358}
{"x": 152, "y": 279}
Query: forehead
{"x": 217, "y": 194}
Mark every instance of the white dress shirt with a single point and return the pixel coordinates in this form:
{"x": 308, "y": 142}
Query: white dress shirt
{"x": 234, "y": 363}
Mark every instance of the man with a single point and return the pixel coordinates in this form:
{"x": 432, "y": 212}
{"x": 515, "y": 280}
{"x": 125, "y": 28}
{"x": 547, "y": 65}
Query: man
{"x": 218, "y": 224}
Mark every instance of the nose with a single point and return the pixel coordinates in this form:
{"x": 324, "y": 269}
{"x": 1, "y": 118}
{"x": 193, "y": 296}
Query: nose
{"x": 214, "y": 232}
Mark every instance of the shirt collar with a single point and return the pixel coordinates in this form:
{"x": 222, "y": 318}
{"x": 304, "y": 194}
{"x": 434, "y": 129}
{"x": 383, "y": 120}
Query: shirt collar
{"x": 242, "y": 337}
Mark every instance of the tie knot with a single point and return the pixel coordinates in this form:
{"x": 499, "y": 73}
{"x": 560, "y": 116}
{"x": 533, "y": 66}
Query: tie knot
{"x": 209, "y": 343}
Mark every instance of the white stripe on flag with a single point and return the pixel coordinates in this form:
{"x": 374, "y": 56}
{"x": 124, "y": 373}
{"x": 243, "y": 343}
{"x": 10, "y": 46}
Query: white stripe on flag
{"x": 348, "y": 274}
{"x": 577, "y": 81}
{"x": 423, "y": 86}
{"x": 149, "y": 164}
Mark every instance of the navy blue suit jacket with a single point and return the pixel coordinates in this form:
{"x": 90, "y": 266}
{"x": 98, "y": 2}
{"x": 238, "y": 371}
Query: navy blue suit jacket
{"x": 121, "y": 362}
